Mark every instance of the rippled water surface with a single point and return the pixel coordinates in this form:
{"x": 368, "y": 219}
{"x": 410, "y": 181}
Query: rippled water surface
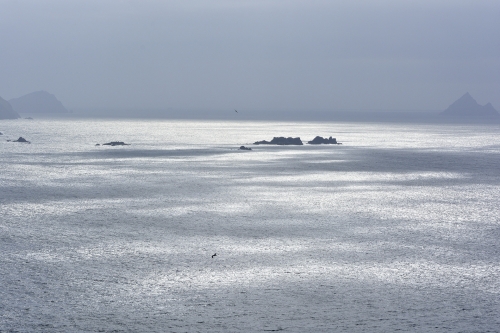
{"x": 398, "y": 228}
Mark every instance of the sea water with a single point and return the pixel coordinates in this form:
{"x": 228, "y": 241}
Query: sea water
{"x": 396, "y": 229}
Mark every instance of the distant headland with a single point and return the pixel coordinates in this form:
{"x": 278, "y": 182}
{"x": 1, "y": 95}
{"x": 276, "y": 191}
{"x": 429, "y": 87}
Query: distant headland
{"x": 6, "y": 110}
{"x": 38, "y": 102}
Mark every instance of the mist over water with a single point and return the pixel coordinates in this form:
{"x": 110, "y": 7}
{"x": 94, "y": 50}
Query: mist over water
{"x": 395, "y": 229}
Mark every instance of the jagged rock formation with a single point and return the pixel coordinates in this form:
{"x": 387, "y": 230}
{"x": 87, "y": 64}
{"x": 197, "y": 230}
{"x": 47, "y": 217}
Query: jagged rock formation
{"x": 281, "y": 141}
{"x": 6, "y": 110}
{"x": 21, "y": 139}
{"x": 39, "y": 102}
{"x": 466, "y": 106}
{"x": 320, "y": 140}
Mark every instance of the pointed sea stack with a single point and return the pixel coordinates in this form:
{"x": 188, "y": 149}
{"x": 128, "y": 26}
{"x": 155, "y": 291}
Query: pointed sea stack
{"x": 21, "y": 139}
{"x": 466, "y": 107}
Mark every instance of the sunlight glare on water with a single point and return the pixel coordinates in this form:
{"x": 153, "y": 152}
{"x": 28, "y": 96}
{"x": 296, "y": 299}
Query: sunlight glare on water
{"x": 395, "y": 229}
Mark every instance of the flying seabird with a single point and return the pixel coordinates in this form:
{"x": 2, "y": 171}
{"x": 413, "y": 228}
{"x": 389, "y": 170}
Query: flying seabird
{"x": 236, "y": 111}
{"x": 214, "y": 255}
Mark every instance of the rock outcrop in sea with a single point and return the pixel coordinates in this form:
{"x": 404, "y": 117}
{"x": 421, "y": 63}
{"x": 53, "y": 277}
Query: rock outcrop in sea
{"x": 116, "y": 143}
{"x": 320, "y": 140}
{"x": 245, "y": 148}
{"x": 21, "y": 139}
{"x": 466, "y": 106}
{"x": 39, "y": 102}
{"x": 6, "y": 110}
{"x": 281, "y": 141}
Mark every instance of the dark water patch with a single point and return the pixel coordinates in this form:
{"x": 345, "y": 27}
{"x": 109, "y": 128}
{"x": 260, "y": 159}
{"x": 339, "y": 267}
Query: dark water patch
{"x": 408, "y": 160}
{"x": 124, "y": 153}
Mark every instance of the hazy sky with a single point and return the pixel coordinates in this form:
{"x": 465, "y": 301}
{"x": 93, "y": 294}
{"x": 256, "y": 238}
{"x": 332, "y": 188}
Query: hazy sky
{"x": 252, "y": 54}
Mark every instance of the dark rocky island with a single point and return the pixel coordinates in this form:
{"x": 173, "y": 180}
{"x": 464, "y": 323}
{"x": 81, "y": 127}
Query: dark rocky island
{"x": 116, "y": 143}
{"x": 320, "y": 140}
{"x": 467, "y": 107}
{"x": 39, "y": 102}
{"x": 281, "y": 141}
{"x": 6, "y": 110}
{"x": 21, "y": 139}
{"x": 245, "y": 148}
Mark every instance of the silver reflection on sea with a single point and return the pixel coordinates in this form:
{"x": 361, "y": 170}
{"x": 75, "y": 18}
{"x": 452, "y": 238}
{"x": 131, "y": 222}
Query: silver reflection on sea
{"x": 396, "y": 229}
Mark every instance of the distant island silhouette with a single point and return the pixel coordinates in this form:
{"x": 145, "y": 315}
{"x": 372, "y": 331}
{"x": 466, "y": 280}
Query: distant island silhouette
{"x": 281, "y": 141}
{"x": 321, "y": 140}
{"x": 464, "y": 110}
{"x": 116, "y": 143}
{"x": 6, "y": 110}
{"x": 467, "y": 107}
{"x": 38, "y": 102}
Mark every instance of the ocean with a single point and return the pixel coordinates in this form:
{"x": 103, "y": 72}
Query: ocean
{"x": 397, "y": 229}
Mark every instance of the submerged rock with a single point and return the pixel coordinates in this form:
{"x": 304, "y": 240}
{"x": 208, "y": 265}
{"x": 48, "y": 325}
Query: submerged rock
{"x": 245, "y": 148}
{"x": 320, "y": 140}
{"x": 281, "y": 141}
{"x": 116, "y": 143}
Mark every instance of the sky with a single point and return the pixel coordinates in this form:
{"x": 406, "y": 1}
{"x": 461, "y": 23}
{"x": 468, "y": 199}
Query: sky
{"x": 252, "y": 54}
